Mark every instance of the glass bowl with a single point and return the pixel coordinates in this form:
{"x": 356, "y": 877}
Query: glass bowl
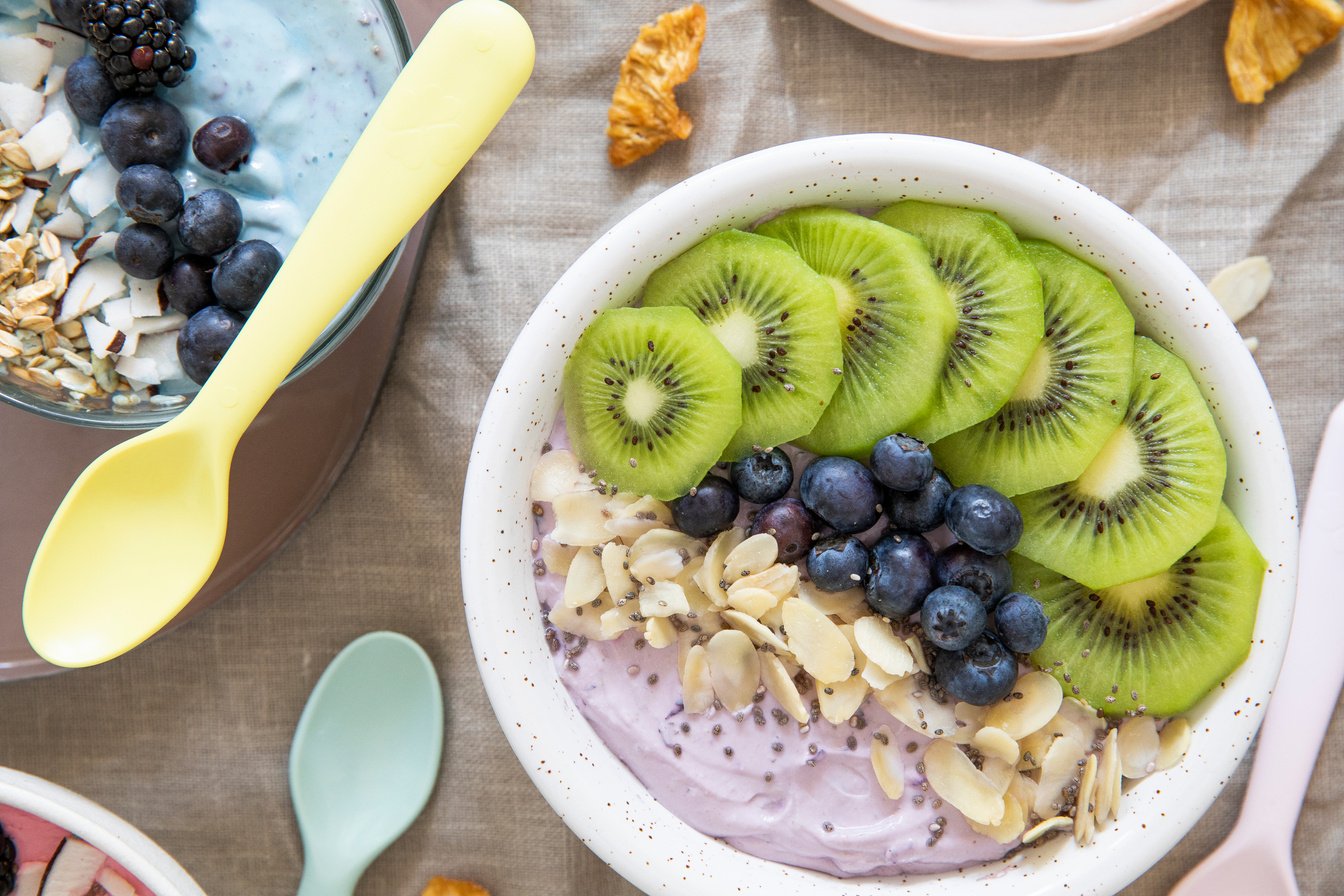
{"x": 59, "y": 406}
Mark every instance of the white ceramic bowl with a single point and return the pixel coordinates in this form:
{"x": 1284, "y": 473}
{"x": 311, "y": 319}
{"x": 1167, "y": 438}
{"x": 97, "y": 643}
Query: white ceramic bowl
{"x": 91, "y": 822}
{"x": 593, "y": 791}
{"x": 1008, "y": 29}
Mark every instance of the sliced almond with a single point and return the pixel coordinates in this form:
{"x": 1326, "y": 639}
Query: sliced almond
{"x": 734, "y": 668}
{"x": 580, "y": 517}
{"x": 618, "y": 620}
{"x": 1084, "y": 824}
{"x": 913, "y": 705}
{"x": 662, "y": 554}
{"x": 953, "y": 777}
{"x": 585, "y": 620}
{"x": 639, "y": 517}
{"x": 883, "y": 646}
{"x": 817, "y": 642}
{"x": 697, "y": 686}
{"x": 755, "y": 602}
{"x": 557, "y": 556}
{"x": 1241, "y": 287}
{"x": 616, "y": 573}
{"x": 888, "y": 766}
{"x": 1020, "y": 716}
{"x": 779, "y": 683}
{"x": 1173, "y": 743}
{"x": 917, "y": 651}
{"x": 662, "y": 599}
{"x": 781, "y": 580}
{"x": 1139, "y": 744}
{"x": 711, "y": 577}
{"x": 1059, "y": 769}
{"x": 1033, "y": 748}
{"x": 1056, "y": 823}
{"x": 1108, "y": 776}
{"x": 998, "y": 772}
{"x": 849, "y": 605}
{"x": 584, "y": 581}
{"x": 1078, "y": 720}
{"x": 839, "y": 700}
{"x": 659, "y": 633}
{"x": 757, "y": 631}
{"x": 1009, "y": 828}
{"x": 969, "y": 720}
{"x": 754, "y": 555}
{"x": 558, "y": 473}
{"x": 996, "y": 743}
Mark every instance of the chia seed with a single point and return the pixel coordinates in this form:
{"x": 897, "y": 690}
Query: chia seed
{"x": 728, "y": 751}
{"x": 852, "y": 742}
{"x": 827, "y": 826}
{"x": 653, "y": 679}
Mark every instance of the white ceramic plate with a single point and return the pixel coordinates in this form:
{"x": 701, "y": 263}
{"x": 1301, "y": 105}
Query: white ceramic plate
{"x": 1008, "y": 29}
{"x": 90, "y": 822}
{"x": 593, "y": 791}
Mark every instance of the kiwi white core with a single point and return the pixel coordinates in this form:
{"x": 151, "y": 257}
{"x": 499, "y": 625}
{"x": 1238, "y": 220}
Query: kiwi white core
{"x": 1133, "y": 596}
{"x": 1116, "y": 465}
{"x": 738, "y": 333}
{"x": 1037, "y": 375}
{"x": 642, "y": 400}
{"x": 846, "y": 300}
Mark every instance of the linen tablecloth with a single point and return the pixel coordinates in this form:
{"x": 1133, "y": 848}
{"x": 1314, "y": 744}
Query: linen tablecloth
{"x": 188, "y": 737}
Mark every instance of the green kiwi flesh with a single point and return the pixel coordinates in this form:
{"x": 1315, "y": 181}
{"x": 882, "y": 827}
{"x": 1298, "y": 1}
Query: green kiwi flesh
{"x": 1155, "y": 484}
{"x": 1073, "y": 393}
{"x": 894, "y": 322}
{"x": 996, "y": 293}
{"x": 775, "y": 317}
{"x": 1158, "y": 644}
{"x": 651, "y": 399}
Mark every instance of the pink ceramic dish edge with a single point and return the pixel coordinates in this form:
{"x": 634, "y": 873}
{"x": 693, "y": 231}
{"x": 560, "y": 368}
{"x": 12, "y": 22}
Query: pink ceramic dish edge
{"x": 882, "y": 18}
{"x": 586, "y": 785}
{"x": 85, "y": 819}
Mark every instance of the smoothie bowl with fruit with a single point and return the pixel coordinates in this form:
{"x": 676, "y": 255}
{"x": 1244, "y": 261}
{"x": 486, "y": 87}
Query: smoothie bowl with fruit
{"x": 158, "y": 159}
{"x": 869, "y": 508}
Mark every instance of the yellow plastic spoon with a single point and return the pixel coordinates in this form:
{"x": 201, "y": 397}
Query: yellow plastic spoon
{"x": 86, "y": 601}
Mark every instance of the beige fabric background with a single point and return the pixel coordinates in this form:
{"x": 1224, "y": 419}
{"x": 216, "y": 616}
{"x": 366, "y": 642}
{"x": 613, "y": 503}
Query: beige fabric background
{"x": 188, "y": 737}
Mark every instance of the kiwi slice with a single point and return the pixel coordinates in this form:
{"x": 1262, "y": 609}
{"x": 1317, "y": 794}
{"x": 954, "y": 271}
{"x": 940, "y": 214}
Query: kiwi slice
{"x": 1073, "y": 393}
{"x": 996, "y": 293}
{"x": 651, "y": 399}
{"x": 776, "y": 318}
{"x": 1157, "y": 644}
{"x": 1154, "y": 485}
{"x": 893, "y": 321}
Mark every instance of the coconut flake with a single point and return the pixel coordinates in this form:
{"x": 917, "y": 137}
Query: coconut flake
{"x": 1241, "y": 287}
{"x": 145, "y": 297}
{"x": 77, "y": 157}
{"x": 20, "y": 107}
{"x": 24, "y": 61}
{"x": 171, "y": 320}
{"x": 23, "y": 209}
{"x": 68, "y": 224}
{"x": 47, "y": 141}
{"x": 66, "y": 45}
{"x": 142, "y": 371}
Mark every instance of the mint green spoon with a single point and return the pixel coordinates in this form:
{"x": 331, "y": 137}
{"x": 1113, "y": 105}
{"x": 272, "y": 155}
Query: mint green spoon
{"x": 365, "y": 758}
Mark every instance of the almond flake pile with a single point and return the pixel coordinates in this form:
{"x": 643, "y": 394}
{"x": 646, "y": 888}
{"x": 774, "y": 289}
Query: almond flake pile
{"x": 744, "y": 624}
{"x": 644, "y": 113}
{"x": 72, "y": 324}
{"x": 1268, "y": 39}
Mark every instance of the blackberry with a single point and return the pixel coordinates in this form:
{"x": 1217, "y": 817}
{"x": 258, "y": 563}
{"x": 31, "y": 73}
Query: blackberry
{"x": 138, "y": 43}
{"x": 9, "y": 864}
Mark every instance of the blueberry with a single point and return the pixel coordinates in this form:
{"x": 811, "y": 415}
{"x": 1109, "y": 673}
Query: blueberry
{"x": 222, "y": 144}
{"x": 179, "y": 10}
{"x": 984, "y": 519}
{"x": 149, "y": 194}
{"x": 89, "y": 90}
{"x": 952, "y": 617}
{"x": 842, "y": 492}
{"x": 1021, "y": 622}
{"x": 144, "y": 251}
{"x": 143, "y": 130}
{"x": 902, "y": 463}
{"x": 204, "y": 339}
{"x": 243, "y": 274}
{"x": 763, "y": 477}
{"x": 989, "y": 576}
{"x": 70, "y": 13}
{"x": 210, "y": 222}
{"x": 920, "y": 511}
{"x": 900, "y": 574}
{"x": 788, "y": 520}
{"x": 186, "y": 285}
{"x": 838, "y": 563}
{"x": 710, "y": 508}
{"x": 983, "y": 673}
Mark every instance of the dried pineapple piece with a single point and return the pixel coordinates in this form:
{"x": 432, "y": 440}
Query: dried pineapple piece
{"x": 442, "y": 886}
{"x": 644, "y": 113}
{"x": 1268, "y": 39}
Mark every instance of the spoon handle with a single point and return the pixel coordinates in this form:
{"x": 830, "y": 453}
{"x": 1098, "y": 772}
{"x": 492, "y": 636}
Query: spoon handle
{"x": 320, "y": 879}
{"x": 1313, "y": 669}
{"x": 457, "y": 85}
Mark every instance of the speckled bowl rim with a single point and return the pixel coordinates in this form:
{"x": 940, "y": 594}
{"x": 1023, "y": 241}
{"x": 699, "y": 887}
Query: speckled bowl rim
{"x": 595, "y": 793}
{"x": 882, "y": 18}
{"x": 89, "y": 821}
